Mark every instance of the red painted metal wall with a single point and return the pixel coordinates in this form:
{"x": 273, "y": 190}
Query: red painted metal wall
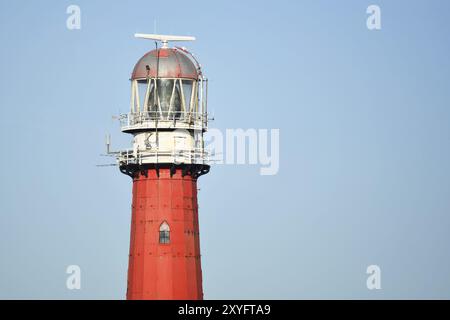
{"x": 164, "y": 271}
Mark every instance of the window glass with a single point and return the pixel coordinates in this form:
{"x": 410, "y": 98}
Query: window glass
{"x": 164, "y": 88}
{"x": 165, "y": 100}
{"x": 176, "y": 112}
{"x": 152, "y": 102}
{"x": 142, "y": 90}
{"x": 164, "y": 237}
{"x": 164, "y": 233}
{"x": 187, "y": 91}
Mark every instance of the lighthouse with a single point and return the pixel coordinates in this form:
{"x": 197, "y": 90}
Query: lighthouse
{"x": 167, "y": 122}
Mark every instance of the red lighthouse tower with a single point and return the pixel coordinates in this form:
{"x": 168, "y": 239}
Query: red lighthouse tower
{"x": 167, "y": 120}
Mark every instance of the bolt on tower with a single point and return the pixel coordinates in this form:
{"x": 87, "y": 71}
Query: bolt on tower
{"x": 167, "y": 119}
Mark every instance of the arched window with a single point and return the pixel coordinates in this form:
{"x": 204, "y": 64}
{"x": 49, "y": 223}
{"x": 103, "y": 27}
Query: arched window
{"x": 164, "y": 233}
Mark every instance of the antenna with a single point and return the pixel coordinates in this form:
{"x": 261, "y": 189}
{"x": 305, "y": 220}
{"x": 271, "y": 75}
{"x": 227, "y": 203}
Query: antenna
{"x": 163, "y": 38}
{"x": 108, "y": 143}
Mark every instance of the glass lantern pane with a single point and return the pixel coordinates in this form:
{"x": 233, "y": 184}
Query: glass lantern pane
{"x": 176, "y": 110}
{"x": 142, "y": 90}
{"x": 153, "y": 102}
{"x": 187, "y": 91}
{"x": 164, "y": 88}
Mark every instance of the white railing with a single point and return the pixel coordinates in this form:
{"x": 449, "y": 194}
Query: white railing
{"x": 196, "y": 156}
{"x": 151, "y": 118}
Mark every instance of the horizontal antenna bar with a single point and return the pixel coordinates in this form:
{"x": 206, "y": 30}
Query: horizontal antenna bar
{"x": 163, "y": 38}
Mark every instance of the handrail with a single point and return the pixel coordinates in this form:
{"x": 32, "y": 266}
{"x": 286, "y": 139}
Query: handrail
{"x": 137, "y": 118}
{"x": 194, "y": 155}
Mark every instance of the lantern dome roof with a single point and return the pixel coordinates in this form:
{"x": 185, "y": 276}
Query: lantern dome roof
{"x": 167, "y": 63}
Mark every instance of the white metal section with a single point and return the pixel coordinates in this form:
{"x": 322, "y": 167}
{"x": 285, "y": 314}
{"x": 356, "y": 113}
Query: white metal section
{"x": 178, "y": 146}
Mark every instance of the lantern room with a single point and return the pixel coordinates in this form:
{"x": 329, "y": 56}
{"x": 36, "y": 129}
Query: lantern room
{"x": 168, "y": 90}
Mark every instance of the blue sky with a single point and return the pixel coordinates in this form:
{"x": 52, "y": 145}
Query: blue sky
{"x": 364, "y": 146}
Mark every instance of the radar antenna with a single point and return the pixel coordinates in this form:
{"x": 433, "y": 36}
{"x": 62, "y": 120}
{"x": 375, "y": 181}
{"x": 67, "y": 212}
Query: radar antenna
{"x": 164, "y": 39}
